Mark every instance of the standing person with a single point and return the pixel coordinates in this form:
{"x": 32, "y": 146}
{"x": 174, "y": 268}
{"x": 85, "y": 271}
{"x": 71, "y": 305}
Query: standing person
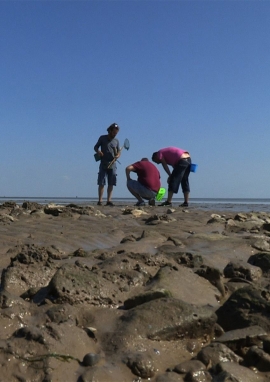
{"x": 107, "y": 147}
{"x": 180, "y": 160}
{"x": 148, "y": 183}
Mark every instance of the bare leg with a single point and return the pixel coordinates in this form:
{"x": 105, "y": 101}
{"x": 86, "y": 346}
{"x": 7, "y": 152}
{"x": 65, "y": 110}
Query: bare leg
{"x": 170, "y": 195}
{"x": 186, "y": 196}
{"x": 100, "y": 193}
{"x": 109, "y": 193}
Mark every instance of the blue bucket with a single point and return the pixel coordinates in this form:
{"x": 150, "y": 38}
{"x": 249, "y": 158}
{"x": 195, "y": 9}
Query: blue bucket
{"x": 193, "y": 167}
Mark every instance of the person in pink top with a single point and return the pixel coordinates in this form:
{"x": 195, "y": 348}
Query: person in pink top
{"x": 147, "y": 184}
{"x": 180, "y": 161}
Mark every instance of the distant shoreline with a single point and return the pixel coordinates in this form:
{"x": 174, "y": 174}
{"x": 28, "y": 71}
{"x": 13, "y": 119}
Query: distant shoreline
{"x": 208, "y": 204}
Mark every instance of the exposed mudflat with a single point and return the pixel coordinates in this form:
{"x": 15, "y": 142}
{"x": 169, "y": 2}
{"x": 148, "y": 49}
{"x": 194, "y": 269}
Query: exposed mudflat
{"x": 107, "y": 294}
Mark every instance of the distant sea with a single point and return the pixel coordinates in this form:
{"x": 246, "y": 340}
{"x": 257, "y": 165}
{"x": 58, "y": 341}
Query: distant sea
{"x": 221, "y": 204}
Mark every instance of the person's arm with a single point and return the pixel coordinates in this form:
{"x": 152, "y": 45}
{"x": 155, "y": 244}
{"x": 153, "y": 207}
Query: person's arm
{"x": 117, "y": 151}
{"x": 129, "y": 169}
{"x": 96, "y": 148}
{"x": 165, "y": 166}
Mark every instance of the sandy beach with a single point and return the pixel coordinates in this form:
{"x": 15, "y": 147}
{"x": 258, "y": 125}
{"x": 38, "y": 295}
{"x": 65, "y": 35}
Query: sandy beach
{"x": 96, "y": 293}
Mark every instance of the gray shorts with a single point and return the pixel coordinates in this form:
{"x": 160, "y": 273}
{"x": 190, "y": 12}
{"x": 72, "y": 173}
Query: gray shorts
{"x": 143, "y": 191}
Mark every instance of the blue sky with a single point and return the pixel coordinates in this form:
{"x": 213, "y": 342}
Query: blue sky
{"x": 191, "y": 74}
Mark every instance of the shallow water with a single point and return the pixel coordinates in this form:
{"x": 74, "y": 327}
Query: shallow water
{"x": 220, "y": 204}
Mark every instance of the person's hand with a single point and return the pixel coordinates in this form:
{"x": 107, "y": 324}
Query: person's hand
{"x": 100, "y": 153}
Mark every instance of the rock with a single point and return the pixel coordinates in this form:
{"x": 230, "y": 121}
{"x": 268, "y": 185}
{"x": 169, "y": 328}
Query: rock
{"x": 216, "y": 352}
{"x": 216, "y": 219}
{"x": 262, "y": 245}
{"x": 189, "y": 367}
{"x": 188, "y": 259}
{"x": 73, "y": 284}
{"x": 241, "y": 217}
{"x": 31, "y": 333}
{"x": 198, "y": 376}
{"x": 258, "y": 358}
{"x": 141, "y": 364}
{"x": 128, "y": 238}
{"x": 61, "y": 313}
{"x": 32, "y": 206}
{"x": 145, "y": 297}
{"x": 184, "y": 285}
{"x": 233, "y": 372}
{"x": 213, "y": 275}
{"x": 245, "y": 307}
{"x": 80, "y": 252}
{"x": 242, "y": 270}
{"x": 90, "y": 359}
{"x": 168, "y": 319}
{"x": 262, "y": 260}
{"x": 242, "y": 338}
{"x": 30, "y": 268}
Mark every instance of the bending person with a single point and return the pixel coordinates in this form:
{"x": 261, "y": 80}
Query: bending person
{"x": 148, "y": 183}
{"x": 180, "y": 161}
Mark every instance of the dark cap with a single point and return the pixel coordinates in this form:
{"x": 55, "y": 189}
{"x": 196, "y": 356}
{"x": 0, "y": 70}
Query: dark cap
{"x": 113, "y": 126}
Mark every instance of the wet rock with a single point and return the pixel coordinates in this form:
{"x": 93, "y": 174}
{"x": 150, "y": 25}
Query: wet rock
{"x": 128, "y": 238}
{"x": 151, "y": 234}
{"x": 52, "y": 209}
{"x": 141, "y": 364}
{"x": 216, "y": 352}
{"x": 168, "y": 319}
{"x": 233, "y": 372}
{"x": 80, "y": 252}
{"x": 176, "y": 241}
{"x": 266, "y": 226}
{"x": 30, "y": 333}
{"x": 73, "y": 284}
{"x": 145, "y": 297}
{"x": 90, "y": 359}
{"x": 245, "y": 307}
{"x": 262, "y": 260}
{"x": 242, "y": 270}
{"x": 241, "y": 217}
{"x": 262, "y": 245}
{"x": 4, "y": 218}
{"x": 243, "y": 226}
{"x": 32, "y": 206}
{"x": 238, "y": 339}
{"x": 258, "y": 358}
{"x": 30, "y": 268}
{"x": 266, "y": 344}
{"x": 189, "y": 367}
{"x": 214, "y": 276}
{"x": 8, "y": 300}
{"x": 9, "y": 204}
{"x": 198, "y": 376}
{"x": 61, "y": 313}
{"x": 188, "y": 259}
{"x": 215, "y": 218}
{"x": 156, "y": 219}
{"x": 185, "y": 285}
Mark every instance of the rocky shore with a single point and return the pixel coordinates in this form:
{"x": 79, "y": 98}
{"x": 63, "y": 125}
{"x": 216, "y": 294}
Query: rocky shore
{"x": 121, "y": 294}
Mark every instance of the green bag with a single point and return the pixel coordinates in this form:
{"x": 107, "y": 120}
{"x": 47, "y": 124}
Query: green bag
{"x": 160, "y": 194}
